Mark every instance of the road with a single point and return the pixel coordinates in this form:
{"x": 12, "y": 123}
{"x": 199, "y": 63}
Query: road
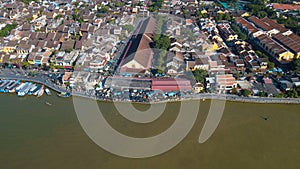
{"x": 41, "y": 78}
{"x": 253, "y": 99}
{"x": 38, "y": 78}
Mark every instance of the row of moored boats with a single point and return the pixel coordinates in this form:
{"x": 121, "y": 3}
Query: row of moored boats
{"x": 22, "y": 88}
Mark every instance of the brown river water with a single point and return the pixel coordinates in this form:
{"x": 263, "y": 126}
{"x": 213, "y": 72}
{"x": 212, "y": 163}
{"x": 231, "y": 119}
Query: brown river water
{"x": 34, "y": 135}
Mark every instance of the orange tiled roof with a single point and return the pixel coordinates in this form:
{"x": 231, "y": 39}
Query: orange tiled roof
{"x": 286, "y": 6}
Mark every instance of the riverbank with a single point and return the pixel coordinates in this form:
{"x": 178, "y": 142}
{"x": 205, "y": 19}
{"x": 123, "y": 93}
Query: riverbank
{"x": 234, "y": 98}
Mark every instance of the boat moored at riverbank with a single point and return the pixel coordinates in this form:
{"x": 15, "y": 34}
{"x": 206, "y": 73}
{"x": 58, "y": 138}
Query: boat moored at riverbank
{"x": 12, "y": 88}
{"x": 24, "y": 90}
{"x": 47, "y": 91}
{"x": 3, "y": 85}
{"x": 36, "y": 90}
{"x": 30, "y": 92}
{"x": 40, "y": 92}
{"x": 8, "y": 86}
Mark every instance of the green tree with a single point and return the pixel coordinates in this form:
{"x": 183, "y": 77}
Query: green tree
{"x": 234, "y": 91}
{"x": 295, "y": 65}
{"x": 99, "y": 15}
{"x": 76, "y": 4}
{"x": 279, "y": 95}
{"x": 262, "y": 14}
{"x": 58, "y": 16}
{"x": 6, "y": 30}
{"x": 26, "y": 1}
{"x": 69, "y": 50}
{"x": 219, "y": 17}
{"x": 128, "y": 27}
{"x": 25, "y": 64}
{"x": 271, "y": 65}
{"x": 163, "y": 42}
{"x": 155, "y": 5}
{"x": 292, "y": 94}
{"x": 262, "y": 94}
{"x": 200, "y": 75}
{"x": 298, "y": 90}
{"x": 185, "y": 12}
{"x": 243, "y": 36}
{"x": 259, "y": 53}
{"x": 28, "y": 20}
{"x": 246, "y": 92}
{"x": 226, "y": 16}
{"x": 161, "y": 59}
{"x": 103, "y": 9}
{"x": 238, "y": 31}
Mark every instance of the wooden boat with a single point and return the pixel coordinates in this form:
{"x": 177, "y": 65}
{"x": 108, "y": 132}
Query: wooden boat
{"x": 40, "y": 92}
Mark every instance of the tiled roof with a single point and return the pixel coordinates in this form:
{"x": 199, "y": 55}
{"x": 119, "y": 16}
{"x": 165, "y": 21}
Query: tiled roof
{"x": 260, "y": 24}
{"x": 288, "y": 42}
{"x": 271, "y": 44}
{"x": 140, "y": 50}
{"x": 286, "y": 6}
{"x": 274, "y": 24}
{"x": 247, "y": 25}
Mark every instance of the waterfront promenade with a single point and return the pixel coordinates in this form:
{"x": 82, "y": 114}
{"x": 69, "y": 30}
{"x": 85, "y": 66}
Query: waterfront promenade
{"x": 44, "y": 80}
{"x": 40, "y": 80}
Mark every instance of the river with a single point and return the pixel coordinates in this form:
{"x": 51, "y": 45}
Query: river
{"x": 36, "y": 135}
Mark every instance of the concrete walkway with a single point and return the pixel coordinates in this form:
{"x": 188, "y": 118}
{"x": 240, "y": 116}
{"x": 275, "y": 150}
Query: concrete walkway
{"x": 190, "y": 97}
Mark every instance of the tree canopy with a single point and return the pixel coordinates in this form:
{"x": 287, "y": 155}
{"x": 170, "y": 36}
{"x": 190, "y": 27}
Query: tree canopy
{"x": 200, "y": 75}
{"x": 128, "y": 27}
{"x": 238, "y": 31}
{"x": 155, "y": 5}
{"x": 223, "y": 16}
{"x": 246, "y": 92}
{"x": 296, "y": 65}
{"x": 6, "y": 30}
{"x": 163, "y": 42}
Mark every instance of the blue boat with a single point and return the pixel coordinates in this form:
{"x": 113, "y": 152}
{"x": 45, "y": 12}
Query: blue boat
{"x": 3, "y": 85}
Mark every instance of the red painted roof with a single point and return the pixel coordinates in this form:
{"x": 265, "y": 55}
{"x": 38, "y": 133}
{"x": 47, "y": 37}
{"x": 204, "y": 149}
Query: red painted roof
{"x": 171, "y": 84}
{"x": 170, "y": 81}
{"x": 171, "y": 88}
{"x": 286, "y": 6}
{"x": 268, "y": 81}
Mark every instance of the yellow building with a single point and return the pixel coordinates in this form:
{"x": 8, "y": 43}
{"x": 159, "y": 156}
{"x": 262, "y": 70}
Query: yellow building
{"x": 246, "y": 14}
{"x": 34, "y": 17}
{"x": 1, "y": 58}
{"x": 240, "y": 42}
{"x": 198, "y": 88}
{"x": 287, "y": 55}
{"x": 204, "y": 11}
{"x": 232, "y": 37}
{"x": 220, "y": 12}
{"x": 8, "y": 49}
{"x": 215, "y": 47}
